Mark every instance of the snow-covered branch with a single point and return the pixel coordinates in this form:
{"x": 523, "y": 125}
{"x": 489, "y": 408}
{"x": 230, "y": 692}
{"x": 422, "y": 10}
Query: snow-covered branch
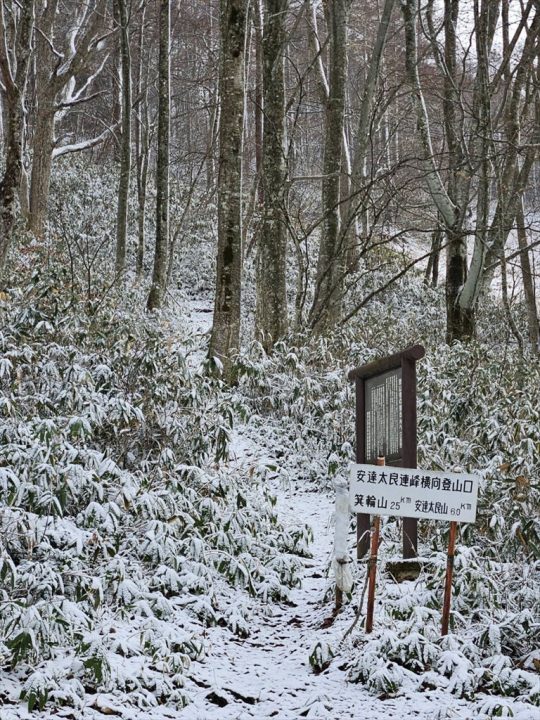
{"x": 84, "y": 144}
{"x": 74, "y": 97}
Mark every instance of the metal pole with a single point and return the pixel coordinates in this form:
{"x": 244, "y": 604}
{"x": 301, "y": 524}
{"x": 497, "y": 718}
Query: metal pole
{"x": 373, "y": 566}
{"x": 448, "y": 580}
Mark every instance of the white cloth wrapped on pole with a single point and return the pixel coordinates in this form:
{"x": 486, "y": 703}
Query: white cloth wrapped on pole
{"x": 342, "y": 560}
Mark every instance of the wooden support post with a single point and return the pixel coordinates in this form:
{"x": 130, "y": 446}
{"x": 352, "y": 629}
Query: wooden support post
{"x": 373, "y": 566}
{"x": 448, "y": 580}
{"x": 408, "y": 399}
{"x": 363, "y": 520}
{"x": 372, "y": 573}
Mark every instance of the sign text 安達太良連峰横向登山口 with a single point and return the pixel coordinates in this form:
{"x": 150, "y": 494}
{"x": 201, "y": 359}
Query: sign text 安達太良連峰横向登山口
{"x": 422, "y": 494}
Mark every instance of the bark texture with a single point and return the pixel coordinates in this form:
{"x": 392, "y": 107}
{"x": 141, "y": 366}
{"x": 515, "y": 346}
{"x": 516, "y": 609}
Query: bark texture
{"x": 271, "y": 314}
{"x": 142, "y": 141}
{"x": 225, "y": 336}
{"x": 159, "y": 275}
{"x": 125, "y": 150}
{"x": 14, "y": 80}
{"x": 533, "y": 321}
{"x": 326, "y": 309}
{"x": 43, "y": 140}
{"x": 54, "y": 93}
{"x": 366, "y": 107}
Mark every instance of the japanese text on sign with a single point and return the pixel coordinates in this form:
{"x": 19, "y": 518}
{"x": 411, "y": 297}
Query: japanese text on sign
{"x": 387, "y": 490}
{"x": 383, "y": 416}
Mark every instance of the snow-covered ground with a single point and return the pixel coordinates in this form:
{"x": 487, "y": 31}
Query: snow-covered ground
{"x": 267, "y": 674}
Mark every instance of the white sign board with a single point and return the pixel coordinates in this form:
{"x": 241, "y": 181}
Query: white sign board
{"x": 413, "y": 493}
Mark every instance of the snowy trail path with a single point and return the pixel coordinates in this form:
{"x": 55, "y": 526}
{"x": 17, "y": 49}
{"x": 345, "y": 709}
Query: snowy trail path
{"x": 268, "y": 675}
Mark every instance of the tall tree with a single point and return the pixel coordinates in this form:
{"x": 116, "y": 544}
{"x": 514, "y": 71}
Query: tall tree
{"x": 15, "y": 55}
{"x": 225, "y": 336}
{"x": 159, "y": 275}
{"x": 363, "y": 136}
{"x": 271, "y": 321}
{"x": 63, "y": 57}
{"x": 482, "y": 147}
{"x": 529, "y": 291}
{"x": 327, "y": 304}
{"x": 142, "y": 138}
{"x": 123, "y": 16}
{"x": 448, "y": 211}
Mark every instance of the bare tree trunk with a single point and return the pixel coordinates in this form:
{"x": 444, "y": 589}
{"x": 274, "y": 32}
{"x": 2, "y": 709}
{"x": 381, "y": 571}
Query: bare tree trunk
{"x": 43, "y": 145}
{"x": 54, "y": 91}
{"x": 271, "y": 314}
{"x": 10, "y": 180}
{"x": 14, "y": 82}
{"x": 326, "y": 308}
{"x": 43, "y": 139}
{"x": 506, "y": 304}
{"x": 366, "y": 111}
{"x": 225, "y": 337}
{"x": 469, "y": 293}
{"x": 159, "y": 275}
{"x": 259, "y": 102}
{"x": 460, "y": 321}
{"x": 211, "y": 142}
{"x": 513, "y": 176}
{"x": 142, "y": 143}
{"x": 432, "y": 270}
{"x": 125, "y": 150}
{"x": 444, "y": 204}
{"x": 348, "y": 221}
{"x": 533, "y": 321}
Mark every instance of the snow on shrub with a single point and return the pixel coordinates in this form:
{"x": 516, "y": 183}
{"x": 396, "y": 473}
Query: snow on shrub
{"x": 121, "y": 534}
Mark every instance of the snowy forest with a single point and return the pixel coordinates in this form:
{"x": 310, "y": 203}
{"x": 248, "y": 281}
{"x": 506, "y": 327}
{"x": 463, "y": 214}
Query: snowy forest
{"x": 211, "y": 211}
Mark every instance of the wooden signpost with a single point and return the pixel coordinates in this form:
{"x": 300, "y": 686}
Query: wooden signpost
{"x": 433, "y": 495}
{"x": 386, "y": 435}
{"x": 448, "y": 579}
{"x": 372, "y": 576}
{"x": 386, "y": 427}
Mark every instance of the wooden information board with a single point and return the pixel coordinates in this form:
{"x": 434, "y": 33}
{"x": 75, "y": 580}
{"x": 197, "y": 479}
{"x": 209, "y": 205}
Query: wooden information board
{"x": 386, "y": 426}
{"x": 384, "y": 420}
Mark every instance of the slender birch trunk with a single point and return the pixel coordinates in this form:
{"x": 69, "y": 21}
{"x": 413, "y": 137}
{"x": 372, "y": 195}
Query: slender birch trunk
{"x": 366, "y": 110}
{"x": 142, "y": 143}
{"x": 533, "y": 321}
{"x": 513, "y": 175}
{"x": 451, "y": 207}
{"x": 259, "y": 101}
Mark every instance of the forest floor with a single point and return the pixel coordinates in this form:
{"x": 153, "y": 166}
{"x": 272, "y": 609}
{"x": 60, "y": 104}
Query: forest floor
{"x": 268, "y": 674}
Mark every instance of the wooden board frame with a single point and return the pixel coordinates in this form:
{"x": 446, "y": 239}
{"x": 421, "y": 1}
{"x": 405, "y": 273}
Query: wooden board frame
{"x": 406, "y": 360}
